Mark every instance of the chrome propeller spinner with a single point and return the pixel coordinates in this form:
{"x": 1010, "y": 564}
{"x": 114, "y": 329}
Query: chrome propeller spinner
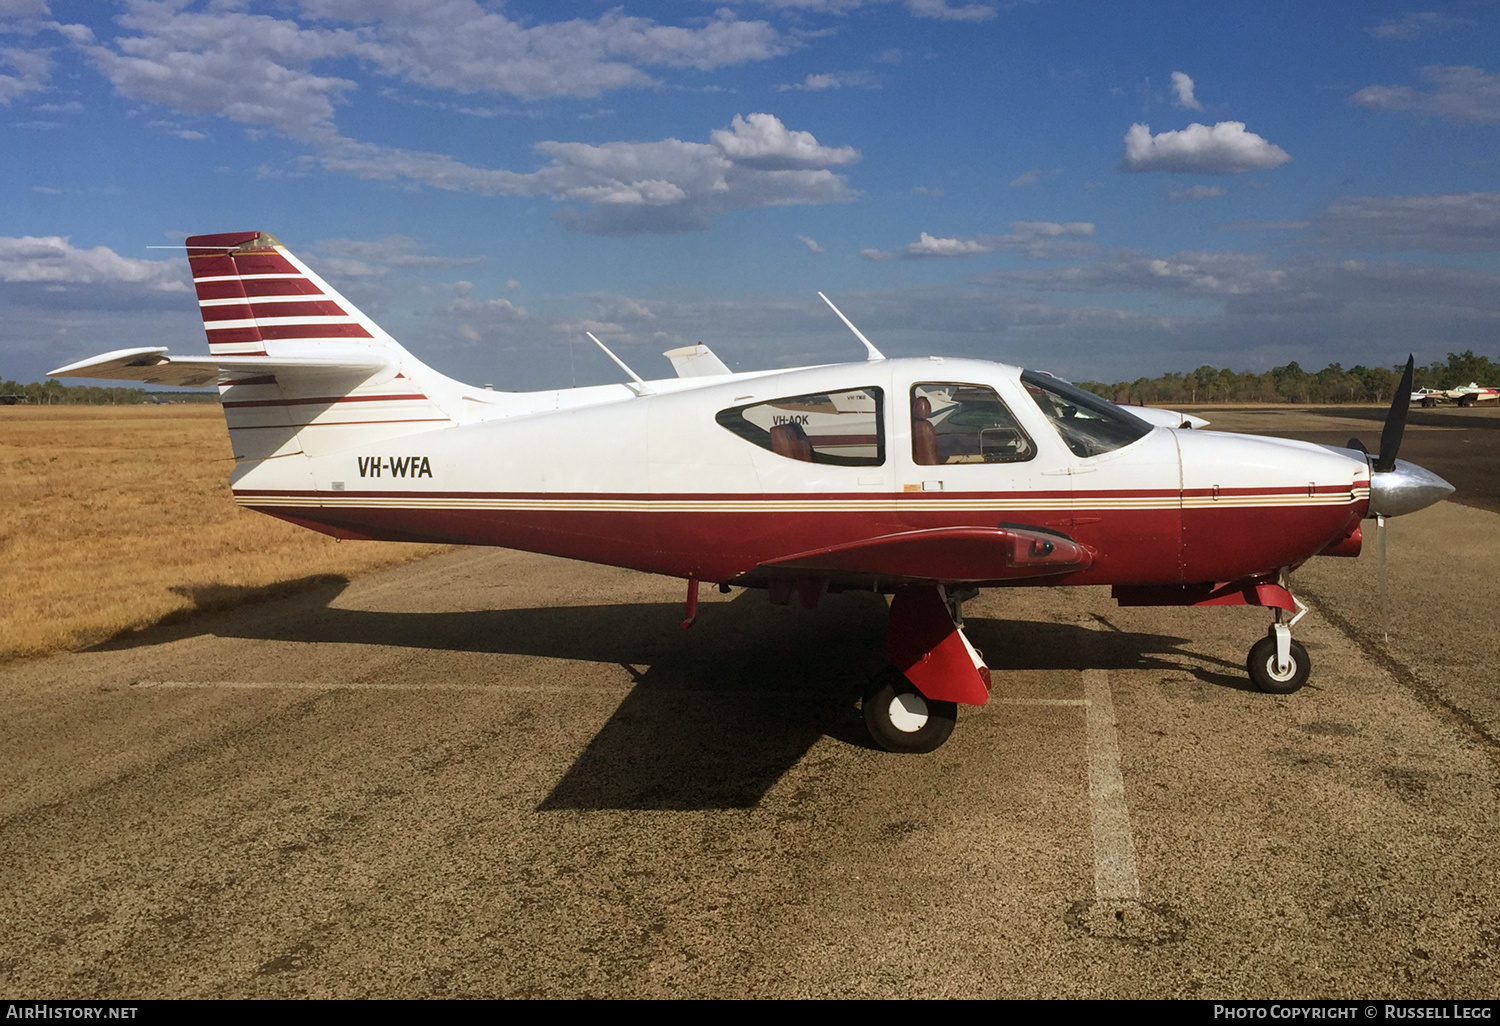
{"x": 1396, "y": 486}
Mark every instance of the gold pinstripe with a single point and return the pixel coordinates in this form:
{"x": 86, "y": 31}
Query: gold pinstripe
{"x": 415, "y": 500}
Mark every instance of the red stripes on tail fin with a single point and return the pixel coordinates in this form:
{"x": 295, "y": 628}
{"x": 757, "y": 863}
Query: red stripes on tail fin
{"x": 251, "y": 291}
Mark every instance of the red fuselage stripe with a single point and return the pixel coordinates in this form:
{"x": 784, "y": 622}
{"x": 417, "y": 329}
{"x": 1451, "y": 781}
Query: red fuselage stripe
{"x": 1130, "y": 546}
{"x": 321, "y": 401}
{"x": 333, "y": 423}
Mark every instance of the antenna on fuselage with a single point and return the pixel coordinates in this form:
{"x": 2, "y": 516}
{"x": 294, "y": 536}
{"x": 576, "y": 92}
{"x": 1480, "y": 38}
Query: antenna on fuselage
{"x": 875, "y": 354}
{"x": 619, "y": 362}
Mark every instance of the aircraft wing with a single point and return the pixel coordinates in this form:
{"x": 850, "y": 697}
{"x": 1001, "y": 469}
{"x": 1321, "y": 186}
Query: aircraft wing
{"x": 152, "y": 365}
{"x": 948, "y": 555}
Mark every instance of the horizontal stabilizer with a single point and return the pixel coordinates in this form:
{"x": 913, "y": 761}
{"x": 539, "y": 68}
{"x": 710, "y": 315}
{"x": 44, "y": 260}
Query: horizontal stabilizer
{"x": 696, "y": 361}
{"x": 153, "y": 366}
{"x": 947, "y": 555}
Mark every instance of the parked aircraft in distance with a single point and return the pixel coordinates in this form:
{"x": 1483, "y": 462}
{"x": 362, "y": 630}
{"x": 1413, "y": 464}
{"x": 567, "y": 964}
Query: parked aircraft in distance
{"x": 1463, "y": 395}
{"x": 925, "y": 479}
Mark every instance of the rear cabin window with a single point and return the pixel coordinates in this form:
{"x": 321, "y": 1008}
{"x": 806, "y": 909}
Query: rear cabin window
{"x": 955, "y": 423}
{"x": 840, "y": 428}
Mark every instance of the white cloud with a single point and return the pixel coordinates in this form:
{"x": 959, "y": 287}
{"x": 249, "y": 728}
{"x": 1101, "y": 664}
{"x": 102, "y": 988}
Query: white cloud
{"x": 1182, "y": 86}
{"x": 253, "y": 69}
{"x": 1196, "y": 192}
{"x": 172, "y": 128}
{"x": 833, "y": 80}
{"x": 625, "y": 188}
{"x": 762, "y": 141}
{"x": 1414, "y": 25}
{"x": 263, "y": 70}
{"x": 384, "y": 253}
{"x": 52, "y": 259}
{"x": 811, "y": 244}
{"x": 1034, "y": 238}
{"x": 1198, "y": 149}
{"x": 462, "y": 46}
{"x": 1455, "y": 223}
{"x": 1042, "y": 240}
{"x": 271, "y": 72}
{"x": 33, "y": 70}
{"x": 1265, "y": 226}
{"x": 1026, "y": 178}
{"x": 875, "y": 254}
{"x": 928, "y": 246}
{"x": 1460, "y": 93}
{"x": 1203, "y": 273}
{"x": 491, "y": 310}
{"x": 939, "y": 9}
{"x": 79, "y": 34}
{"x": 1026, "y": 231}
{"x": 932, "y": 191}
{"x": 23, "y": 9}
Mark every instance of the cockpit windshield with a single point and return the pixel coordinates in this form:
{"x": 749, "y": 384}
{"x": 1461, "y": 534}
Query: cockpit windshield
{"x": 1088, "y": 424}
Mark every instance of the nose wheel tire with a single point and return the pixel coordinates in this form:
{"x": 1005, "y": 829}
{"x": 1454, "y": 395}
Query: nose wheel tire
{"x": 901, "y": 719}
{"x": 1265, "y": 674}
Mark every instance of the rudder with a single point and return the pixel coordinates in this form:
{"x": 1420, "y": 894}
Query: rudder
{"x": 258, "y": 300}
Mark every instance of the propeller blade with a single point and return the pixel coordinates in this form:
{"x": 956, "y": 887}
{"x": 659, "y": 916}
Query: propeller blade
{"x": 1395, "y": 421}
{"x": 1355, "y": 443}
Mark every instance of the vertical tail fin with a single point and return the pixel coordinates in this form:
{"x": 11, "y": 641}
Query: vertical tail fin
{"x": 258, "y": 300}
{"x": 254, "y": 294}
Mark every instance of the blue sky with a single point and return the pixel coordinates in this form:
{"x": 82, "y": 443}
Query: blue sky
{"x": 1100, "y": 190}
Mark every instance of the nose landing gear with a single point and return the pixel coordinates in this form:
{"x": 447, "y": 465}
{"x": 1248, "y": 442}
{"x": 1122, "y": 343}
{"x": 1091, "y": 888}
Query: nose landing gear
{"x": 1277, "y": 664}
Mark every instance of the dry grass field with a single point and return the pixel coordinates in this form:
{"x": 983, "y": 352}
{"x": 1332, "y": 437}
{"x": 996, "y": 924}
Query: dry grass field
{"x": 116, "y": 517}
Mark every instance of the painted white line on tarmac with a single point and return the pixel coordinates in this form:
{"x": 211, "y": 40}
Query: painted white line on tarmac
{"x": 1115, "y": 876}
{"x": 1077, "y": 702}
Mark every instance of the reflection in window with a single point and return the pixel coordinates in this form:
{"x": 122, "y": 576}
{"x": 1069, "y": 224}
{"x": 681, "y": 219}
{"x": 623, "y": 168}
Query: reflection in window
{"x": 1089, "y": 424}
{"x": 841, "y": 428}
{"x": 953, "y": 423}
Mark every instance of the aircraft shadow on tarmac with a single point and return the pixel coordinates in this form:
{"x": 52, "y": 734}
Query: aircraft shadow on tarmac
{"x": 717, "y": 714}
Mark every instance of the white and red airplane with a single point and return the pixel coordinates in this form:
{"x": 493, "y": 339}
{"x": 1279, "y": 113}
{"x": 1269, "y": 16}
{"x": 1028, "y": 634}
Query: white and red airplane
{"x": 925, "y": 479}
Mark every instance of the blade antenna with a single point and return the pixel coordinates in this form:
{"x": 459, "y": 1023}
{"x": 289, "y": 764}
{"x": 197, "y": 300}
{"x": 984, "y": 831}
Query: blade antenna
{"x": 1395, "y": 421}
{"x": 618, "y": 362}
{"x": 875, "y": 354}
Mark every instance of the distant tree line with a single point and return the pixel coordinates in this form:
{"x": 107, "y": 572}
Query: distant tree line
{"x": 54, "y": 393}
{"x": 1292, "y": 384}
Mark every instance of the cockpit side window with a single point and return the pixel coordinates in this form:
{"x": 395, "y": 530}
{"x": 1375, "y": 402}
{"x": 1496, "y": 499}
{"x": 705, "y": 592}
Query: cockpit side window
{"x": 844, "y": 429}
{"x": 959, "y": 423}
{"x": 1089, "y": 424}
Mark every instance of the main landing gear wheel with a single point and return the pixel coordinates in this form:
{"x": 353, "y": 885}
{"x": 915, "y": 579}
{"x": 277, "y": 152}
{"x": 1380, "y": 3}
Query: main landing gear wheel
{"x": 902, "y": 719}
{"x": 1264, "y": 673}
